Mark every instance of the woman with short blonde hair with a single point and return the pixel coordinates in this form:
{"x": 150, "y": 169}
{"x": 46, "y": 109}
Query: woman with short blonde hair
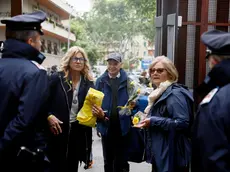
{"x": 69, "y": 141}
{"x": 170, "y": 114}
{"x": 168, "y": 65}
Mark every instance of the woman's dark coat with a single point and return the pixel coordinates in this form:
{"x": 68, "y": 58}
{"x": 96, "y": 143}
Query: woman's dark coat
{"x": 60, "y": 106}
{"x": 168, "y": 146}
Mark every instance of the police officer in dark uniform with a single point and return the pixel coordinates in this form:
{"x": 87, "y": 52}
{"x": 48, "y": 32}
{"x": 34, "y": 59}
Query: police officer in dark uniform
{"x": 23, "y": 92}
{"x": 211, "y": 132}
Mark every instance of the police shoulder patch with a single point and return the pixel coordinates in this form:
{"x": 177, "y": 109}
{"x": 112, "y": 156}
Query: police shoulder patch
{"x": 209, "y": 96}
{"x": 38, "y": 65}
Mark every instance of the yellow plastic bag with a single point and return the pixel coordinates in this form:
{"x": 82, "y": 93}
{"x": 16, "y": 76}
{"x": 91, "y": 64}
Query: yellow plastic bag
{"x": 85, "y": 115}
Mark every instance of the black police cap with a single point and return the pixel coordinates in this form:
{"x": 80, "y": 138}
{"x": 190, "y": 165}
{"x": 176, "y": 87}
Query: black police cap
{"x": 30, "y": 21}
{"x": 218, "y": 42}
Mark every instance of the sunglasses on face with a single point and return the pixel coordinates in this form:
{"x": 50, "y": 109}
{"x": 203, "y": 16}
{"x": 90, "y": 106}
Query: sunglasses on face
{"x": 80, "y": 59}
{"x": 158, "y": 70}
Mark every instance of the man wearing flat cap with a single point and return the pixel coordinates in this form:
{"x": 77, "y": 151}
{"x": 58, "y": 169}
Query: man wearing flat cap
{"x": 114, "y": 128}
{"x": 211, "y": 132}
{"x": 24, "y": 92}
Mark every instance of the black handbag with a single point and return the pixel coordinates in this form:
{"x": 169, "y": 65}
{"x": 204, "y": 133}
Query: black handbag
{"x": 136, "y": 145}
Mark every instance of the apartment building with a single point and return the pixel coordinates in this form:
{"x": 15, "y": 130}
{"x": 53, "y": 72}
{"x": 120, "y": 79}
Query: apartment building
{"x": 56, "y": 34}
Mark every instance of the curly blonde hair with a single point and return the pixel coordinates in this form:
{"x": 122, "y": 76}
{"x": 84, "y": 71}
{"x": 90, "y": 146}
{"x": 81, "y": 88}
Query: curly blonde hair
{"x": 66, "y": 60}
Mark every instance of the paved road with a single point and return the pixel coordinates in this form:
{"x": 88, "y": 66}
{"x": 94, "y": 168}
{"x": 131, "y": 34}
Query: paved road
{"x": 98, "y": 160}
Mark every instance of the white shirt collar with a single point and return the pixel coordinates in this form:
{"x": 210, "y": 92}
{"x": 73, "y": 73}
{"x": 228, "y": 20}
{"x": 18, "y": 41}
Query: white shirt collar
{"x": 118, "y": 75}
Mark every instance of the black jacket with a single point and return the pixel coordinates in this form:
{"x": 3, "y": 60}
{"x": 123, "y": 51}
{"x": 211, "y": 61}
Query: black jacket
{"x": 211, "y": 130}
{"x": 168, "y": 146}
{"x": 23, "y": 92}
{"x": 60, "y": 105}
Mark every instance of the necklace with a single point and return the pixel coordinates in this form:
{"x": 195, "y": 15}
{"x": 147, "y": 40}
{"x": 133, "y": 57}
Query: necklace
{"x": 74, "y": 85}
{"x": 75, "y": 101}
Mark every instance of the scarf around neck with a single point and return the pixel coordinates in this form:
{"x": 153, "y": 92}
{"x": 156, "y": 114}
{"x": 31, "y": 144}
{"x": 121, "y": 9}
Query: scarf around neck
{"x": 155, "y": 94}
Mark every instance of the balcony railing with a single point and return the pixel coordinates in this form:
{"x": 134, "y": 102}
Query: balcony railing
{"x": 49, "y": 25}
{"x": 60, "y": 31}
{"x": 56, "y": 23}
{"x": 4, "y": 15}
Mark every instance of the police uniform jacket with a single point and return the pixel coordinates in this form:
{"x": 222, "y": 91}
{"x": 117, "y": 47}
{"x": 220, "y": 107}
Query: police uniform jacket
{"x": 23, "y": 92}
{"x": 211, "y": 132}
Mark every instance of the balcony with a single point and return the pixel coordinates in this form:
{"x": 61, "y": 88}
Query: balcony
{"x": 4, "y": 15}
{"x": 57, "y": 30}
{"x": 50, "y": 27}
{"x": 59, "y": 7}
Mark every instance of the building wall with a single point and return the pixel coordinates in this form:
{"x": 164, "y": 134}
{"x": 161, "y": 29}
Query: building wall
{"x": 140, "y": 47}
{"x": 65, "y": 6}
{"x": 28, "y": 7}
{"x": 5, "y": 6}
{"x": 139, "y": 50}
{"x": 5, "y": 10}
{"x": 195, "y": 21}
{"x": 51, "y": 58}
{"x": 53, "y": 23}
{"x": 31, "y": 5}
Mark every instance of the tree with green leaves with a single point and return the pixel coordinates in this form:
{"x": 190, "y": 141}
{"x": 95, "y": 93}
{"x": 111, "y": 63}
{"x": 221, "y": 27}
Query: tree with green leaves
{"x": 78, "y": 27}
{"x": 146, "y": 11}
{"x": 112, "y": 25}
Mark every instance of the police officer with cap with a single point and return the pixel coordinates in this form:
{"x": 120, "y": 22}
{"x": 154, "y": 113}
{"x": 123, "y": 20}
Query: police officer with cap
{"x": 211, "y": 132}
{"x": 23, "y": 90}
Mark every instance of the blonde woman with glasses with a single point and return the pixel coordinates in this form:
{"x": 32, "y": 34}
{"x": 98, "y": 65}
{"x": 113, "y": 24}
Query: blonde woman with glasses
{"x": 69, "y": 142}
{"x": 169, "y": 119}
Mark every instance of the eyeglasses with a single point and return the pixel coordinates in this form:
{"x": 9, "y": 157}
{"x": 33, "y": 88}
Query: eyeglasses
{"x": 158, "y": 70}
{"x": 80, "y": 59}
